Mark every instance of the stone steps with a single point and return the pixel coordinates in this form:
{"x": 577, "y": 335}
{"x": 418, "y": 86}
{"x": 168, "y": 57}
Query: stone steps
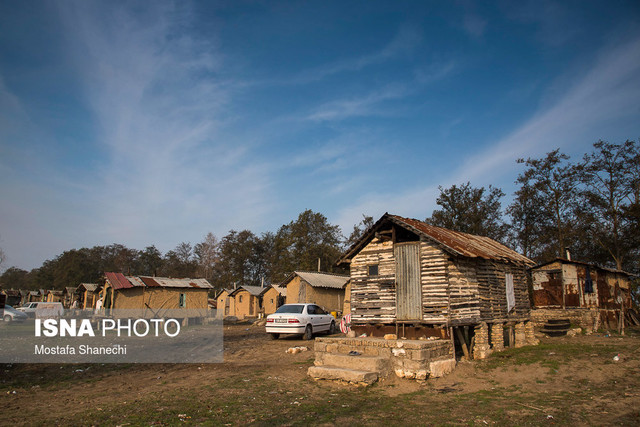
{"x": 327, "y": 372}
{"x": 355, "y": 362}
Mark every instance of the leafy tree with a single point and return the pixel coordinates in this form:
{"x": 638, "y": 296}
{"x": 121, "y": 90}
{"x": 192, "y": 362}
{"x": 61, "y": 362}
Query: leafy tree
{"x": 149, "y": 261}
{"x": 15, "y": 278}
{"x": 551, "y": 183}
{"x": 179, "y": 262}
{"x": 471, "y": 210}
{"x": 606, "y": 176}
{"x": 237, "y": 260}
{"x": 526, "y": 221}
{"x": 301, "y": 243}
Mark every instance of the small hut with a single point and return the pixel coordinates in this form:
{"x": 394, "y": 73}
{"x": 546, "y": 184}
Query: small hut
{"x": 583, "y": 293}
{"x": 417, "y": 280}
{"x": 225, "y": 303}
{"x": 248, "y": 301}
{"x": 272, "y": 298}
{"x": 154, "y": 295}
{"x": 88, "y": 294}
{"x": 324, "y": 289}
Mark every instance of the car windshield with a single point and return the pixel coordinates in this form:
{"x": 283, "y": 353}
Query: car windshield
{"x": 290, "y": 308}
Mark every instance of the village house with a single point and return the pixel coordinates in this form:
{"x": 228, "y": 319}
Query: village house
{"x": 418, "y": 294}
{"x": 88, "y": 294}
{"x": 415, "y": 279}
{"x": 324, "y": 289}
{"x": 584, "y": 294}
{"x": 53, "y": 296}
{"x": 154, "y": 295}
{"x": 225, "y": 304}
{"x": 272, "y": 298}
{"x": 248, "y": 301}
{"x": 68, "y": 296}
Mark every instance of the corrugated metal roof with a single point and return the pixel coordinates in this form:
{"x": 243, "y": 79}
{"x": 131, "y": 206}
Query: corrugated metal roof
{"x": 454, "y": 242}
{"x": 321, "y": 280}
{"x": 253, "y": 290}
{"x": 282, "y": 290}
{"x": 118, "y": 281}
{"x": 167, "y": 282}
{"x": 89, "y": 286}
{"x": 586, "y": 264}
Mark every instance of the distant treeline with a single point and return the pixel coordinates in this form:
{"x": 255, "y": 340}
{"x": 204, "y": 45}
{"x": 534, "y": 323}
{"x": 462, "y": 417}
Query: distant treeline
{"x": 591, "y": 207}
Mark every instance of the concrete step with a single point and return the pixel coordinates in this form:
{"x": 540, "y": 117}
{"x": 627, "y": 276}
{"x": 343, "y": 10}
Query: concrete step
{"x": 344, "y": 374}
{"x": 358, "y": 363}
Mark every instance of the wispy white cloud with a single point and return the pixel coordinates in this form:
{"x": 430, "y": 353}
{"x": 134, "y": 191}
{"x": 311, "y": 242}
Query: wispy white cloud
{"x": 161, "y": 109}
{"x": 405, "y": 41}
{"x": 593, "y": 107}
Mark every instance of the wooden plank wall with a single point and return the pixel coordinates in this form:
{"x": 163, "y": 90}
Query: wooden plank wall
{"x": 464, "y": 298}
{"x": 373, "y": 298}
{"x": 435, "y": 298}
{"x": 493, "y": 293}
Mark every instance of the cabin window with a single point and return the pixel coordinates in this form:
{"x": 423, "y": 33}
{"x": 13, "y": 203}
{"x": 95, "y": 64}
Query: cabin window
{"x": 239, "y": 298}
{"x": 373, "y": 270}
{"x": 183, "y": 300}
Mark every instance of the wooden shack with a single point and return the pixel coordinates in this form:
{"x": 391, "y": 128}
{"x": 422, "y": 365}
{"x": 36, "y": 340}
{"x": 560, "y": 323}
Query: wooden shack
{"x": 154, "y": 295}
{"x": 53, "y": 296}
{"x": 584, "y": 293}
{"x": 417, "y": 280}
{"x": 68, "y": 296}
{"x": 88, "y": 294}
{"x": 324, "y": 289}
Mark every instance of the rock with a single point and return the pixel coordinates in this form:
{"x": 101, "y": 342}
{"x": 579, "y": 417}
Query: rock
{"x": 351, "y": 334}
{"x": 421, "y": 375}
{"x": 398, "y": 352}
{"x": 390, "y": 337}
{"x": 399, "y": 344}
{"x": 399, "y": 373}
{"x": 440, "y": 368}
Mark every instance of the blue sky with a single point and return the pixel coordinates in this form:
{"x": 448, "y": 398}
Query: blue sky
{"x": 156, "y": 122}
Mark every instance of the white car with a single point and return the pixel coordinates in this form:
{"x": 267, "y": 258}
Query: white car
{"x": 305, "y": 319}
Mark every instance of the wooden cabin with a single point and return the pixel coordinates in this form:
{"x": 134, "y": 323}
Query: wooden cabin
{"x": 417, "y": 280}
{"x": 53, "y": 296}
{"x": 68, "y": 296}
{"x": 87, "y": 294}
{"x": 154, "y": 295}
{"x": 324, "y": 289}
{"x": 588, "y": 295}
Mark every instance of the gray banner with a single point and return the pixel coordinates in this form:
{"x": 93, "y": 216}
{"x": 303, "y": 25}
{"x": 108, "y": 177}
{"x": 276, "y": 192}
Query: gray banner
{"x": 117, "y": 336}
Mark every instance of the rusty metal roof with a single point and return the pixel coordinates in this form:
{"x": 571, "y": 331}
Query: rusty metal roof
{"x": 118, "y": 281}
{"x": 586, "y": 264}
{"x": 454, "y": 242}
{"x": 167, "y": 282}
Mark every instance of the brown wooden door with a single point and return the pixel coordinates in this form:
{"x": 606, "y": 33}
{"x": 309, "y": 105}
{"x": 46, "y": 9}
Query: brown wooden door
{"x": 408, "y": 288}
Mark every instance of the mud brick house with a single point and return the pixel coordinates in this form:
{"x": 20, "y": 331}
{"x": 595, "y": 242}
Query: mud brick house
{"x": 588, "y": 295}
{"x": 225, "y": 303}
{"x": 248, "y": 301}
{"x": 324, "y": 289}
{"x": 154, "y": 295}
{"x": 416, "y": 280}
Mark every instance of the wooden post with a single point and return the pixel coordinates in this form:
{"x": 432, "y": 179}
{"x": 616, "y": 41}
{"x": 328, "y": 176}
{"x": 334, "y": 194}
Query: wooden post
{"x": 463, "y": 343}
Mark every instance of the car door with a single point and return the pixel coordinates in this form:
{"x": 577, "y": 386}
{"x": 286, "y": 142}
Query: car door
{"x": 319, "y": 318}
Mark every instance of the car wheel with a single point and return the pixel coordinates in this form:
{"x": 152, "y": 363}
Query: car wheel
{"x": 308, "y": 333}
{"x": 332, "y": 328}
{"x": 7, "y": 318}
{"x": 275, "y": 336}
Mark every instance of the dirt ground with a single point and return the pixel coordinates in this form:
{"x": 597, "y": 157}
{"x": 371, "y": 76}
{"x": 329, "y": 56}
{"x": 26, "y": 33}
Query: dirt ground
{"x": 562, "y": 381}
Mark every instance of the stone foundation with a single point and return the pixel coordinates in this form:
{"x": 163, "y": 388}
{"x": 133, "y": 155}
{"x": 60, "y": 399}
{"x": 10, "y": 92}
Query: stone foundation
{"x": 413, "y": 359}
{"x": 582, "y": 317}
